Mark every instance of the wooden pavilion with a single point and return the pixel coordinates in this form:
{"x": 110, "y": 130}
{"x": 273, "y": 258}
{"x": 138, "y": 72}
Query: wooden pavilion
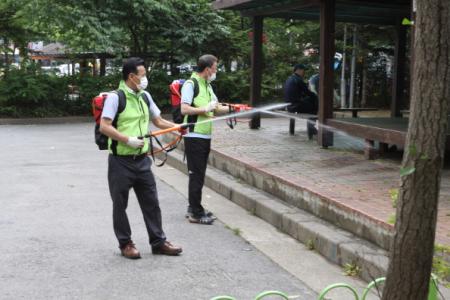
{"x": 381, "y": 12}
{"x": 59, "y": 52}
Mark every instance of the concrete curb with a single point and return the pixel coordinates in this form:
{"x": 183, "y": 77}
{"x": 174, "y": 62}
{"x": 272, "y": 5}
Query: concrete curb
{"x": 335, "y": 212}
{"x": 40, "y": 121}
{"x": 335, "y": 244}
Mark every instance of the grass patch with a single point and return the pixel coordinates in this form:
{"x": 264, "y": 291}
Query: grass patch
{"x": 351, "y": 269}
{"x": 392, "y": 218}
{"x": 394, "y": 197}
{"x": 441, "y": 264}
{"x": 237, "y": 231}
{"x": 310, "y": 245}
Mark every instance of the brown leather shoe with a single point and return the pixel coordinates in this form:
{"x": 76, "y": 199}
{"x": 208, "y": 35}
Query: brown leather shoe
{"x": 167, "y": 249}
{"x": 129, "y": 251}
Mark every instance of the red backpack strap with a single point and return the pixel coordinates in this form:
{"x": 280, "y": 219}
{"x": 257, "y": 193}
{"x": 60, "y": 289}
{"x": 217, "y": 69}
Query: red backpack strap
{"x": 175, "y": 87}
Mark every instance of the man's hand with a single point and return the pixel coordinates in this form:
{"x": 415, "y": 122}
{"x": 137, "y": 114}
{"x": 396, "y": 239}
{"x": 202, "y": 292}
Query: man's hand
{"x": 211, "y": 106}
{"x": 135, "y": 142}
{"x": 182, "y": 131}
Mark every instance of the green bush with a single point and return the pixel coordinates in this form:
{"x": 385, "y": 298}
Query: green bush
{"x": 30, "y": 93}
{"x": 87, "y": 87}
{"x": 26, "y": 93}
{"x": 233, "y": 87}
{"x": 158, "y": 86}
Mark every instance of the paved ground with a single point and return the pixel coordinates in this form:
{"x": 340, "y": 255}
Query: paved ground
{"x": 344, "y": 176}
{"x": 58, "y": 243}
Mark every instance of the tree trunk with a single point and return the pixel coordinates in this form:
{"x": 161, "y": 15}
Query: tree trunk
{"x": 94, "y": 67}
{"x": 364, "y": 84}
{"x": 412, "y": 247}
{"x": 353, "y": 70}
{"x": 83, "y": 68}
{"x": 6, "y": 43}
{"x": 23, "y": 55}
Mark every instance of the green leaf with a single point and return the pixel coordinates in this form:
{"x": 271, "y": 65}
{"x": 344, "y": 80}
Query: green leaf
{"x": 407, "y": 171}
{"x": 407, "y": 22}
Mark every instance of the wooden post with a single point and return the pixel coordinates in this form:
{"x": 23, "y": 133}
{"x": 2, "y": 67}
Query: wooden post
{"x": 83, "y": 68}
{"x": 256, "y": 76}
{"x": 102, "y": 66}
{"x": 398, "y": 78}
{"x": 291, "y": 126}
{"x": 343, "y": 82}
{"x": 364, "y": 66}
{"x": 369, "y": 149}
{"x": 326, "y": 78}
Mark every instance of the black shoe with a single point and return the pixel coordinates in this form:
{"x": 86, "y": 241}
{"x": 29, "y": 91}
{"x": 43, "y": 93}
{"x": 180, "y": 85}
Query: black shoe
{"x": 204, "y": 220}
{"x": 206, "y": 213}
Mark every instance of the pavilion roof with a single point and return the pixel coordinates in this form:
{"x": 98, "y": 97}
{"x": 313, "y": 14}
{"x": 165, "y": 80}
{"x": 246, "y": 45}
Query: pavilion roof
{"x": 383, "y": 12}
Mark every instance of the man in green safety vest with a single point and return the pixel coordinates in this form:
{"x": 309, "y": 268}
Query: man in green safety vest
{"x": 125, "y": 120}
{"x": 198, "y": 105}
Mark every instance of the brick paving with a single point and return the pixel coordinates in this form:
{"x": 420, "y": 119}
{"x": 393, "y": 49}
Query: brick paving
{"x": 340, "y": 173}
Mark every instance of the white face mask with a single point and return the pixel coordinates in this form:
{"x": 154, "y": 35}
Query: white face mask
{"x": 143, "y": 84}
{"x": 212, "y": 77}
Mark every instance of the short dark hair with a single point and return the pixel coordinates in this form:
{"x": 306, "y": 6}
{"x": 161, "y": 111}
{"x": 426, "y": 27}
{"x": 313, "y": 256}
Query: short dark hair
{"x": 205, "y": 61}
{"x": 300, "y": 67}
{"x": 130, "y": 66}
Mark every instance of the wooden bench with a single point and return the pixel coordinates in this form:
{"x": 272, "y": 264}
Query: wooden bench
{"x": 312, "y": 118}
{"x": 354, "y": 110}
{"x": 385, "y": 131}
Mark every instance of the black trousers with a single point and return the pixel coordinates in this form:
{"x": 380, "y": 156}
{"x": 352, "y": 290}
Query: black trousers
{"x": 306, "y": 105}
{"x": 125, "y": 173}
{"x": 197, "y": 152}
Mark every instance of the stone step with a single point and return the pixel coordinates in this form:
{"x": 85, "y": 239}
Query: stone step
{"x": 337, "y": 245}
{"x": 335, "y": 212}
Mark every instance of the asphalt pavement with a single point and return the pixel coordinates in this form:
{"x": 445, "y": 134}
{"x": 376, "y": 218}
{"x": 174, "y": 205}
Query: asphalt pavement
{"x": 58, "y": 241}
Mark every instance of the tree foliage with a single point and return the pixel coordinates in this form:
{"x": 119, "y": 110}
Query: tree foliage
{"x": 172, "y": 32}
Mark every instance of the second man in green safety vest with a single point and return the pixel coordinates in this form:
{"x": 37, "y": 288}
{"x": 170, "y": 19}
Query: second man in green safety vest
{"x": 198, "y": 105}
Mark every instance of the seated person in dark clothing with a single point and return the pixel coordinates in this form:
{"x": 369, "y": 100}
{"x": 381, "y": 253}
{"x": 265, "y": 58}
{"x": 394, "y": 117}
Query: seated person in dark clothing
{"x": 296, "y": 92}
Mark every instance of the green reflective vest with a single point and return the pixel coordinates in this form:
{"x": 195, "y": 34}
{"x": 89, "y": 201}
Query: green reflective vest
{"x": 202, "y": 125}
{"x": 132, "y": 121}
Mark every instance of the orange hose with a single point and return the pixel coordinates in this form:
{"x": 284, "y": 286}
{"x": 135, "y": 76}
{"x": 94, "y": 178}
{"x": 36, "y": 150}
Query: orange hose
{"x": 172, "y": 143}
{"x": 164, "y": 131}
